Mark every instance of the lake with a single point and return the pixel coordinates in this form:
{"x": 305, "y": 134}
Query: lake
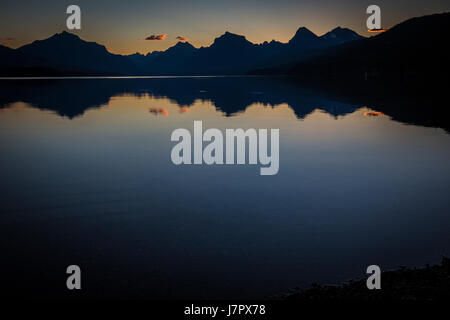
{"x": 87, "y": 179}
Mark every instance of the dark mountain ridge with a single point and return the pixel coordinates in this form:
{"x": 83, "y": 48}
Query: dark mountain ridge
{"x": 66, "y": 53}
{"x": 415, "y": 49}
{"x": 411, "y": 49}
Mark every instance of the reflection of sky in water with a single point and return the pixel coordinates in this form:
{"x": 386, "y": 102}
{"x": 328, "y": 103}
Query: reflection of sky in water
{"x": 352, "y": 190}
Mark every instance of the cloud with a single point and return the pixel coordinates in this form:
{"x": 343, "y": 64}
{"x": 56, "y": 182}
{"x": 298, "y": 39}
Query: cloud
{"x": 158, "y": 111}
{"x": 377, "y": 30}
{"x": 184, "y": 109}
{"x": 156, "y": 37}
{"x": 373, "y": 113}
{"x": 180, "y": 38}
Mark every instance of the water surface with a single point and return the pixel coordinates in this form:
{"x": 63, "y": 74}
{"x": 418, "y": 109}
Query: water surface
{"x": 87, "y": 179}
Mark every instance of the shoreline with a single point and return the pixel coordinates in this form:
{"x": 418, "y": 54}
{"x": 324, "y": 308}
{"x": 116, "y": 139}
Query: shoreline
{"x": 427, "y": 283}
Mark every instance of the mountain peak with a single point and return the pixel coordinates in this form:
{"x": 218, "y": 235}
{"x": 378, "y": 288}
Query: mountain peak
{"x": 303, "y": 33}
{"x": 181, "y": 48}
{"x": 229, "y": 39}
{"x": 65, "y": 35}
{"x": 303, "y": 36}
{"x": 342, "y": 30}
{"x": 229, "y": 35}
{"x": 184, "y": 44}
{"x": 341, "y": 35}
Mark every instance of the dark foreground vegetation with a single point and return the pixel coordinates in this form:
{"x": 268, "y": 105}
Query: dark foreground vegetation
{"x": 423, "y": 284}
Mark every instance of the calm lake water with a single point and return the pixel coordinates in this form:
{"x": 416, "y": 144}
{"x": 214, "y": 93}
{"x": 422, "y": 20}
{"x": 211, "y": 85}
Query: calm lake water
{"x": 87, "y": 179}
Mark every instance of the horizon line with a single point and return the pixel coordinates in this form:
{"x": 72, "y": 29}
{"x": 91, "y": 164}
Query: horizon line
{"x": 72, "y": 32}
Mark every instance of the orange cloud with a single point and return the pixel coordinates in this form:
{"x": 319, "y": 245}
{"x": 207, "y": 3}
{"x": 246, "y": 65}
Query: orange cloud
{"x": 180, "y": 38}
{"x": 156, "y": 36}
{"x": 184, "y": 109}
{"x": 158, "y": 111}
{"x": 373, "y": 113}
{"x": 377, "y": 30}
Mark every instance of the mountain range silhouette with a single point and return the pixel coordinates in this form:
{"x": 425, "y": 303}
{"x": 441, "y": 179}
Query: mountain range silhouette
{"x": 413, "y": 48}
{"x": 66, "y": 54}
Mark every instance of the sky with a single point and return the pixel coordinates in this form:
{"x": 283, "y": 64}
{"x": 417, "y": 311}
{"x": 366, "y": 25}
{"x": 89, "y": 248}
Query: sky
{"x": 122, "y": 26}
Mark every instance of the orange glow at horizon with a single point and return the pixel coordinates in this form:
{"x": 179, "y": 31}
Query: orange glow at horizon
{"x": 377, "y": 30}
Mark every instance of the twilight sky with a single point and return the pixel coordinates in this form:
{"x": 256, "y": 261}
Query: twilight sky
{"x": 122, "y": 26}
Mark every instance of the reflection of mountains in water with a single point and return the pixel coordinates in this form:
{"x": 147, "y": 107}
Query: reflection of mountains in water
{"x": 72, "y": 97}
